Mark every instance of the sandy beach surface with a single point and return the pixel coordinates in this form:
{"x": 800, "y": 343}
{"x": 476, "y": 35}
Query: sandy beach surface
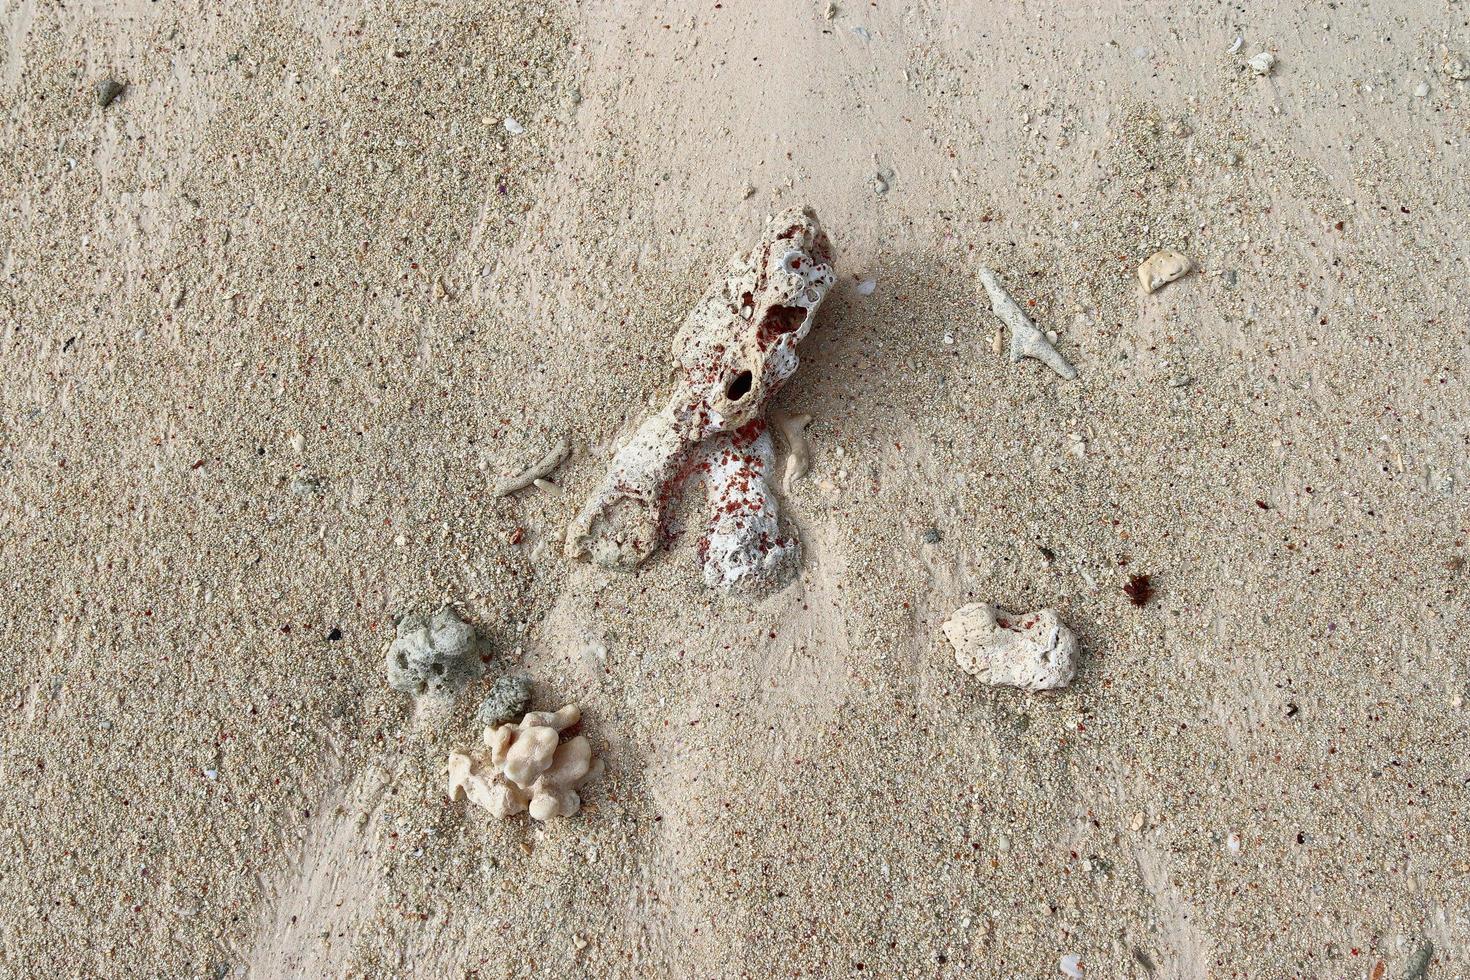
{"x": 276, "y": 319}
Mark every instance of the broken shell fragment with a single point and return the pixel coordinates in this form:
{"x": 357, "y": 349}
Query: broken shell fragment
{"x": 1161, "y": 268}
{"x": 1032, "y": 651}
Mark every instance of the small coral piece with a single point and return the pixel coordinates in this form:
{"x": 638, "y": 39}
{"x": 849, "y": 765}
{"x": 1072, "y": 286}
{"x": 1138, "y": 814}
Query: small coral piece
{"x": 538, "y": 470}
{"x": 1162, "y": 268}
{"x": 1026, "y": 339}
{"x": 1034, "y": 651}
{"x": 433, "y": 656}
{"x": 736, "y": 350}
{"x": 507, "y": 701}
{"x": 527, "y": 767}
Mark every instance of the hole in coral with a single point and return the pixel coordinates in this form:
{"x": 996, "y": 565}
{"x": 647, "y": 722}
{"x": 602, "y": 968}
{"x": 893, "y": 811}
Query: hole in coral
{"x": 739, "y": 386}
{"x": 780, "y": 320}
{"x": 402, "y": 660}
{"x": 437, "y": 668}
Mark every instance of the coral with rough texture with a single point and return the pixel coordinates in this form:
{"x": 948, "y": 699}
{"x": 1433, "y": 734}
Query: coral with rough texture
{"x": 528, "y": 766}
{"x": 1033, "y": 651}
{"x": 1026, "y": 339}
{"x": 433, "y": 655}
{"x": 743, "y": 543}
{"x": 735, "y": 350}
{"x": 507, "y": 701}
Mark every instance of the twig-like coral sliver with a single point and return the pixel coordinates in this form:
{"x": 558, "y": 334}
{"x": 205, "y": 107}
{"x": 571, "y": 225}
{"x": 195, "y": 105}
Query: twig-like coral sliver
{"x": 538, "y": 470}
{"x": 1026, "y": 340}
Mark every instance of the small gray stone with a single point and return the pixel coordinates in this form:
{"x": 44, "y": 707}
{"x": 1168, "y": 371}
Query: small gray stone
{"x": 932, "y": 536}
{"x": 433, "y": 656}
{"x": 507, "y": 702}
{"x": 108, "y": 91}
{"x": 1418, "y": 965}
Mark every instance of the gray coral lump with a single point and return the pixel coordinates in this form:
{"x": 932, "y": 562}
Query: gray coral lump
{"x": 507, "y": 702}
{"x": 433, "y": 656}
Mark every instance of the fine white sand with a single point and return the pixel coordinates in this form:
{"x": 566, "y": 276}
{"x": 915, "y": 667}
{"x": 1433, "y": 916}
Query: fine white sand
{"x": 276, "y": 322}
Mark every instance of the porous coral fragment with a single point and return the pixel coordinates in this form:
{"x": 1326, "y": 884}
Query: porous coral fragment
{"x": 1032, "y": 651}
{"x": 743, "y": 546}
{"x": 735, "y": 350}
{"x": 432, "y": 656}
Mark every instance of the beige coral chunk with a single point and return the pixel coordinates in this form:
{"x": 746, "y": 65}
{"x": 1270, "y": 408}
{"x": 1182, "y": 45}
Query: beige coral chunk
{"x": 555, "y": 794}
{"x": 527, "y": 766}
{"x": 1161, "y": 268}
{"x": 470, "y": 777}
{"x": 530, "y": 755}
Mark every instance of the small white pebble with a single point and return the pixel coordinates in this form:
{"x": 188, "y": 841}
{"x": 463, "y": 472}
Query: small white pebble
{"x": 211, "y": 774}
{"x": 298, "y": 442}
{"x": 1071, "y": 965}
{"x": 949, "y": 340}
{"x": 866, "y": 287}
{"x": 1232, "y": 843}
{"x": 512, "y": 127}
{"x": 1422, "y": 89}
{"x": 1263, "y": 63}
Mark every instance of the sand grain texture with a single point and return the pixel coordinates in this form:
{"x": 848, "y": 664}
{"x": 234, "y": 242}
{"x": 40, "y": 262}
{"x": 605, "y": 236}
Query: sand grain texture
{"x": 276, "y": 321}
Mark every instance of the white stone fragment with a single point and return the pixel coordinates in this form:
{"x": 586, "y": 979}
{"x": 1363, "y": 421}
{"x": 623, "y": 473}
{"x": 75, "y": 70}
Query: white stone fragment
{"x": 1161, "y": 268}
{"x": 1033, "y": 651}
{"x": 527, "y": 767}
{"x": 1263, "y": 63}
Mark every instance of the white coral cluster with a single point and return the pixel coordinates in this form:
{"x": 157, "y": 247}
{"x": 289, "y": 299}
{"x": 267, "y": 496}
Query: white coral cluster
{"x": 527, "y": 766}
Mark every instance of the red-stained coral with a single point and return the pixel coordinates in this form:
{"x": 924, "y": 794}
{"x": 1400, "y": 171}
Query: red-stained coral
{"x": 735, "y": 350}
